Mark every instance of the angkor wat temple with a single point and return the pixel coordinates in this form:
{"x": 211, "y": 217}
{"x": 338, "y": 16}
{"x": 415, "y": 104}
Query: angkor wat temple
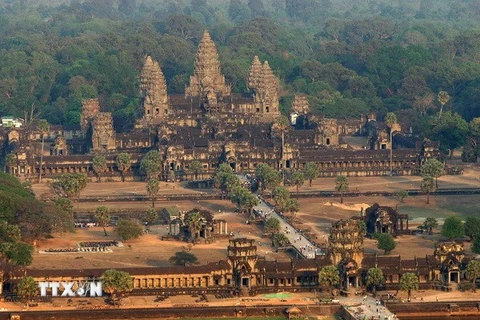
{"x": 211, "y": 124}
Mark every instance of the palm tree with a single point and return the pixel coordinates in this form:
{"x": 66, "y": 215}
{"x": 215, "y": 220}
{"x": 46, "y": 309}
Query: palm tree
{"x": 282, "y": 124}
{"x": 298, "y": 179}
{"x": 99, "y": 164}
{"x": 292, "y": 206}
{"x": 153, "y": 187}
{"x": 123, "y": 163}
{"x": 194, "y": 222}
{"x": 428, "y": 186}
{"x": 341, "y": 185}
{"x": 391, "y": 121}
{"x": 195, "y": 168}
{"x": 102, "y": 217}
{"x": 43, "y": 126}
{"x": 443, "y": 98}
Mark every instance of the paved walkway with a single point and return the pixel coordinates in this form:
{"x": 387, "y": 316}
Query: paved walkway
{"x": 366, "y": 308}
{"x": 305, "y": 247}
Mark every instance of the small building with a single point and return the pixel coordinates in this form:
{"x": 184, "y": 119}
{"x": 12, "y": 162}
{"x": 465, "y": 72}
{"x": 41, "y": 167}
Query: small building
{"x": 11, "y": 122}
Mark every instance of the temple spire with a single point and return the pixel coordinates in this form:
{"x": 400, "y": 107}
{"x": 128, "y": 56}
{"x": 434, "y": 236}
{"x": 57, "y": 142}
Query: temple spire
{"x": 153, "y": 89}
{"x": 207, "y": 80}
{"x": 254, "y": 74}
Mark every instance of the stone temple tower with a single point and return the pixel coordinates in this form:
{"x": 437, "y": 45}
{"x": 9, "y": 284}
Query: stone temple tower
{"x": 266, "y": 95}
{"x": 153, "y": 90}
{"x": 254, "y": 74}
{"x": 346, "y": 241}
{"x": 242, "y": 255}
{"x": 103, "y": 135}
{"x": 90, "y": 108}
{"x": 207, "y": 81}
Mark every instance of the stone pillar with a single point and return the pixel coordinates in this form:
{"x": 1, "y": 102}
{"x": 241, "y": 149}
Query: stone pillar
{"x": 226, "y": 230}
{"x": 221, "y": 227}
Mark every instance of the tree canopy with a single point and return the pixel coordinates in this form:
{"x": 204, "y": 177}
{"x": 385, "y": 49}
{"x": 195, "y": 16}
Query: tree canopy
{"x": 128, "y": 229}
{"x": 183, "y": 258}
{"x": 116, "y": 282}
{"x": 453, "y": 228}
{"x": 385, "y": 242}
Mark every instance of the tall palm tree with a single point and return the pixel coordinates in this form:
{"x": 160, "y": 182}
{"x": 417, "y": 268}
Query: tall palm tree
{"x": 391, "y": 121}
{"x": 102, "y": 217}
{"x": 341, "y": 185}
{"x": 43, "y": 126}
{"x": 281, "y": 125}
{"x": 443, "y": 98}
{"x": 194, "y": 223}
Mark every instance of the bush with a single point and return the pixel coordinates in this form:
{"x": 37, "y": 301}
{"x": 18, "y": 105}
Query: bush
{"x": 466, "y": 286}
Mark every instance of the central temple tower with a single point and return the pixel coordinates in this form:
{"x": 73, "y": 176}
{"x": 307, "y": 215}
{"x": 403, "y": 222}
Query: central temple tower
{"x": 207, "y": 81}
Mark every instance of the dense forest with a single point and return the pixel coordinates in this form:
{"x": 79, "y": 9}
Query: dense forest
{"x": 350, "y": 57}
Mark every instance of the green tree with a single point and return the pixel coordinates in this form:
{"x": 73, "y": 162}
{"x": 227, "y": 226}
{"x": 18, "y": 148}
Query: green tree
{"x": 280, "y": 195}
{"x": 20, "y": 254}
{"x": 195, "y": 168}
{"x": 429, "y": 224}
{"x": 27, "y": 289}
{"x": 44, "y": 127}
{"x": 103, "y": 217}
{"x": 473, "y": 272}
{"x": 298, "y": 179}
{"x": 401, "y": 195}
{"x": 409, "y": 282}
{"x": 183, "y": 258}
{"x": 292, "y": 206}
{"x": 123, "y": 162}
{"x": 128, "y": 229}
{"x": 271, "y": 179}
{"x": 150, "y": 216}
{"x": 311, "y": 172}
{"x": 427, "y": 186}
{"x": 385, "y": 242}
{"x": 116, "y": 283}
{"x": 450, "y": 129}
{"x": 375, "y": 278}
{"x": 268, "y": 177}
{"x": 69, "y": 185}
{"x": 341, "y": 185}
{"x": 329, "y": 277}
{"x": 391, "y": 121}
{"x": 280, "y": 240}
{"x": 10, "y": 162}
{"x": 472, "y": 227}
{"x": 153, "y": 188}
{"x": 433, "y": 168}
{"x": 151, "y": 164}
{"x": 281, "y": 125}
{"x": 99, "y": 165}
{"x": 65, "y": 205}
{"x": 453, "y": 228}
{"x": 443, "y": 97}
{"x": 272, "y": 225}
{"x": 243, "y": 198}
{"x": 476, "y": 245}
{"x": 194, "y": 222}
{"x": 224, "y": 178}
